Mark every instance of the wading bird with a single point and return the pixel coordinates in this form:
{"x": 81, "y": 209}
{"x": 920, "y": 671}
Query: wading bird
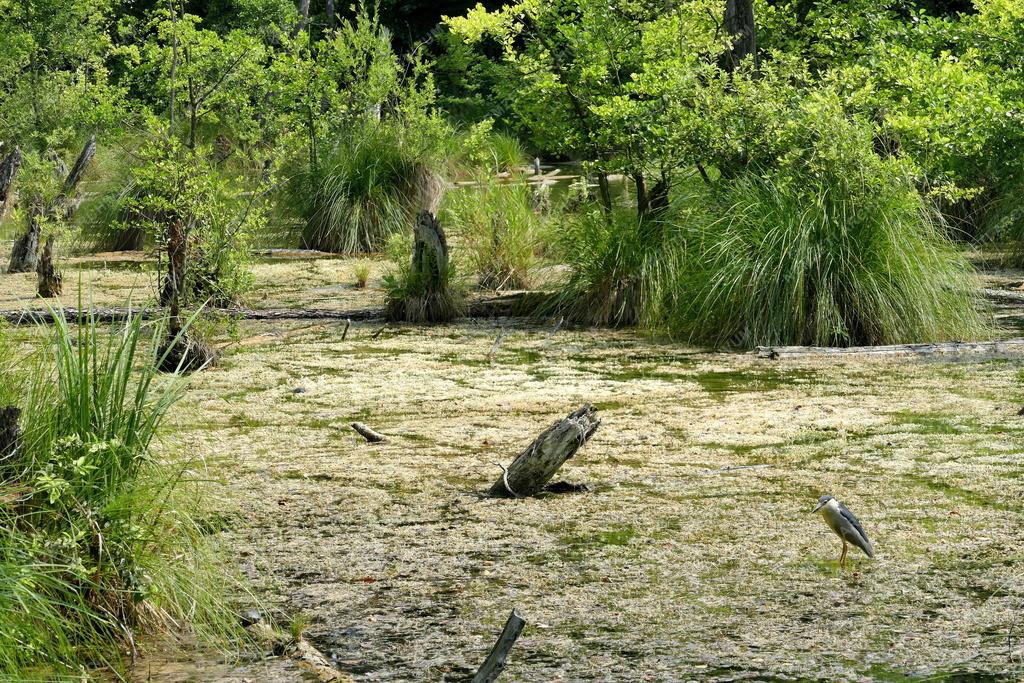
{"x": 846, "y": 526}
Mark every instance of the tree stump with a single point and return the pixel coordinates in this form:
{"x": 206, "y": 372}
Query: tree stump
{"x": 10, "y": 432}
{"x": 50, "y": 280}
{"x": 428, "y": 295}
{"x": 534, "y": 467}
{"x": 25, "y": 253}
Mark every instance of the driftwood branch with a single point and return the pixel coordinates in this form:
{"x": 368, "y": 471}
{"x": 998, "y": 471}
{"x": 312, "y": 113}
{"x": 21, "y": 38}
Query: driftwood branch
{"x": 1007, "y": 347}
{"x": 367, "y": 433}
{"x": 495, "y": 662}
{"x": 534, "y": 467}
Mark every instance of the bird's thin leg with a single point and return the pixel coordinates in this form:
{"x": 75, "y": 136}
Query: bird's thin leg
{"x": 842, "y": 557}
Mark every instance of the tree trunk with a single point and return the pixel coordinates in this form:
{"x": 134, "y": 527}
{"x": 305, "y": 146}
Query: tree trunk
{"x": 8, "y": 169}
{"x": 432, "y": 298}
{"x": 739, "y": 26}
{"x": 331, "y": 15}
{"x": 303, "y": 18}
{"x": 534, "y": 467}
{"x": 177, "y": 261}
{"x": 604, "y": 192}
{"x": 25, "y": 253}
{"x": 50, "y": 279}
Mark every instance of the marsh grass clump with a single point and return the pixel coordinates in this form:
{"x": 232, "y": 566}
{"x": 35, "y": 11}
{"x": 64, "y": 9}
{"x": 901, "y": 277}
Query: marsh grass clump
{"x": 499, "y": 231}
{"x": 853, "y": 256}
{"x": 362, "y": 275}
{"x": 619, "y": 268}
{"x": 368, "y": 185}
{"x": 99, "y": 541}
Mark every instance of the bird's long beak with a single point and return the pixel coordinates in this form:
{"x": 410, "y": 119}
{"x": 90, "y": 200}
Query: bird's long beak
{"x": 817, "y": 507}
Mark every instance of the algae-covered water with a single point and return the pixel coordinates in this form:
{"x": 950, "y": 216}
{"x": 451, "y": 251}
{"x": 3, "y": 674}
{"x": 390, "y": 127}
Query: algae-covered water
{"x": 692, "y": 557}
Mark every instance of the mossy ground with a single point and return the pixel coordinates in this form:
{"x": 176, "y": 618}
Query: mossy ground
{"x": 672, "y": 567}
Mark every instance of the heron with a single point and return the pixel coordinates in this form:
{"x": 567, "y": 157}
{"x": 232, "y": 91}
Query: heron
{"x": 846, "y": 526}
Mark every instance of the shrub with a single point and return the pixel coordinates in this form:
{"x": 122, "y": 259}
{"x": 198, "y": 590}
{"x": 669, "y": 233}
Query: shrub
{"x": 366, "y": 187}
{"x": 100, "y": 542}
{"x": 499, "y": 231}
{"x": 483, "y": 149}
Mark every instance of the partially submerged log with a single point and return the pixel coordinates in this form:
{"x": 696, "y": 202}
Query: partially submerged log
{"x": 495, "y": 662}
{"x": 533, "y": 468}
{"x": 367, "y": 433}
{"x": 517, "y": 303}
{"x": 1007, "y": 347}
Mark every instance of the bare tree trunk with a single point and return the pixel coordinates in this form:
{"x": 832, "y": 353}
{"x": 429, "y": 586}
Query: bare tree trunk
{"x": 331, "y": 15}
{"x": 604, "y": 192}
{"x": 8, "y": 170}
{"x": 25, "y": 253}
{"x": 304, "y": 18}
{"x": 739, "y": 26}
{"x": 50, "y": 280}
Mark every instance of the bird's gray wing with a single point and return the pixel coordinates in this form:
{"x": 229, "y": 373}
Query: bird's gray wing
{"x": 852, "y": 519}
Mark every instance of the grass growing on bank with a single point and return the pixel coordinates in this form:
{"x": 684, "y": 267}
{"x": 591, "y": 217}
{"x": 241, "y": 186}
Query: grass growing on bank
{"x": 101, "y": 542}
{"x": 500, "y": 234}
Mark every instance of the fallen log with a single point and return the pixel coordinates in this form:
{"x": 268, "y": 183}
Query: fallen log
{"x": 367, "y": 433}
{"x": 518, "y": 303}
{"x": 495, "y": 662}
{"x": 1006, "y": 347}
{"x": 1004, "y": 295}
{"x": 533, "y": 468}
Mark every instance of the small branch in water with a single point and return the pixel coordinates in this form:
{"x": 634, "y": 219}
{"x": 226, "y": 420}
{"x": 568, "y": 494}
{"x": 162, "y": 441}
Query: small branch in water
{"x": 348, "y": 324}
{"x": 553, "y": 332}
{"x": 367, "y": 433}
{"x": 495, "y": 662}
{"x": 733, "y": 468}
{"x": 497, "y": 343}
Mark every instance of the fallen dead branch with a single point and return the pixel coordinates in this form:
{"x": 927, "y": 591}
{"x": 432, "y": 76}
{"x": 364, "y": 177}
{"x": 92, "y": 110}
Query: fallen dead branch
{"x": 1007, "y": 347}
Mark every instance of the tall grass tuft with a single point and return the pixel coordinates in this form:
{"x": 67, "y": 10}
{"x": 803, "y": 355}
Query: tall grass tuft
{"x": 620, "y": 269}
{"x": 367, "y": 186}
{"x": 100, "y": 541}
{"x": 499, "y": 231}
{"x": 822, "y": 259}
